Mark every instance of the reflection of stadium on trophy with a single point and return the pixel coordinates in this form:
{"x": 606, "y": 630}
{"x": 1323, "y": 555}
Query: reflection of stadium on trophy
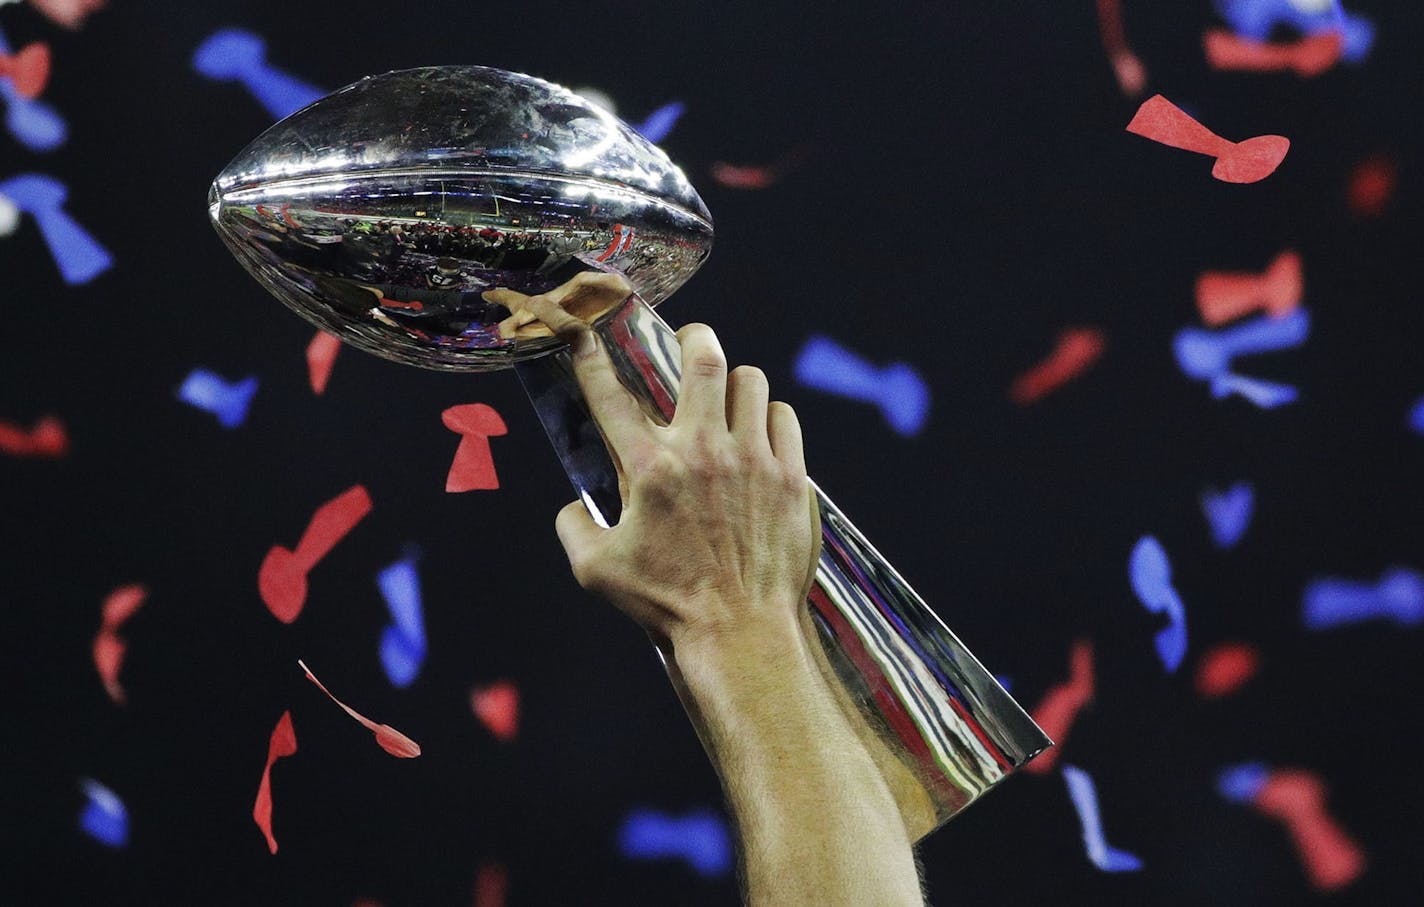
{"x": 423, "y": 273}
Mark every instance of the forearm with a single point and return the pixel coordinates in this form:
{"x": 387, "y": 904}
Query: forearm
{"x": 818, "y": 823}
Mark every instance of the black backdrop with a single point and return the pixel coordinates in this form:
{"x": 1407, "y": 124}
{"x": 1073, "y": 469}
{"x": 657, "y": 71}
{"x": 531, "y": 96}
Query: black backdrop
{"x": 967, "y": 192}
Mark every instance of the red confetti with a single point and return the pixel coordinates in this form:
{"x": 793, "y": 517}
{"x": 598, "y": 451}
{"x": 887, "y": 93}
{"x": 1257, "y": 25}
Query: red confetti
{"x": 1331, "y": 857}
{"x": 757, "y": 176}
{"x": 390, "y": 739}
{"x": 1224, "y": 668}
{"x": 68, "y": 13}
{"x": 1131, "y": 75}
{"x": 1247, "y": 161}
{"x": 283, "y": 743}
{"x": 46, "y": 439}
{"x": 491, "y": 885}
{"x": 28, "y": 69}
{"x": 1372, "y": 184}
{"x": 1061, "y": 704}
{"x": 282, "y": 578}
{"x": 497, "y": 705}
{"x": 1308, "y": 57}
{"x": 109, "y": 649}
{"x": 740, "y": 176}
{"x": 473, "y": 467}
{"x": 1224, "y": 296}
{"x": 321, "y": 356}
{"x": 1077, "y": 349}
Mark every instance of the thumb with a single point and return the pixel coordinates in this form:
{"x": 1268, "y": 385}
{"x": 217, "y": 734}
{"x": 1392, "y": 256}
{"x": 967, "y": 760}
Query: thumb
{"x": 581, "y": 538}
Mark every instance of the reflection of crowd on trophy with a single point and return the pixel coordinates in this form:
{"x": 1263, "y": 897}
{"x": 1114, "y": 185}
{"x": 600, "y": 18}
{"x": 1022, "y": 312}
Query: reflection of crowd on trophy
{"x": 426, "y": 278}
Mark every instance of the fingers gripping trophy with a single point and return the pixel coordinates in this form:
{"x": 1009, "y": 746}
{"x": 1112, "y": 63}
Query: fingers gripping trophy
{"x": 431, "y": 215}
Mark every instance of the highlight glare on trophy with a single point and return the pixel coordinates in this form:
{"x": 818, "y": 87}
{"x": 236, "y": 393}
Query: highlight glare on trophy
{"x": 408, "y": 212}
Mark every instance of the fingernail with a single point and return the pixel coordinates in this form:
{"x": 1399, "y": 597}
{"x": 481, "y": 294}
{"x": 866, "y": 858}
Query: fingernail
{"x": 585, "y": 343}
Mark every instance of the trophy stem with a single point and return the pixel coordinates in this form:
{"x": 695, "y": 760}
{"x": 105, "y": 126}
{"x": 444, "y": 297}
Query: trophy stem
{"x": 928, "y": 709}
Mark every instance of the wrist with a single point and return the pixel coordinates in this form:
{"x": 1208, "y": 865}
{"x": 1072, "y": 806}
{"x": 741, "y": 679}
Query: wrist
{"x": 726, "y": 663}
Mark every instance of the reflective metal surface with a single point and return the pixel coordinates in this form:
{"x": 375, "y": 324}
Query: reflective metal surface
{"x": 383, "y": 211}
{"x": 386, "y": 211}
{"x": 936, "y": 708}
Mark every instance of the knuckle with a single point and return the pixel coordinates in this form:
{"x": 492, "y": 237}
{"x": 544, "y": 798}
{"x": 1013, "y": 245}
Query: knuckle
{"x": 707, "y": 365}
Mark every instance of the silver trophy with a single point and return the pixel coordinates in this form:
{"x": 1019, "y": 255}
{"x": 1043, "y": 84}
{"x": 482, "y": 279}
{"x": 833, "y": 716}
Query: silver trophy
{"x": 384, "y": 212}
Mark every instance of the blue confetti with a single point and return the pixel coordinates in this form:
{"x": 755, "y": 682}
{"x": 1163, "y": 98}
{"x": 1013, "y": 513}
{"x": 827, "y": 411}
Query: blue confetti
{"x": 1084, "y": 795}
{"x": 1416, "y": 417}
{"x": 1332, "y": 602}
{"x": 1241, "y": 783}
{"x": 1151, "y": 575}
{"x": 1265, "y": 394}
{"x": 79, "y": 256}
{"x": 1229, "y": 513}
{"x": 104, "y": 817}
{"x": 1256, "y": 19}
{"x": 236, "y": 55}
{"x": 34, "y": 123}
{"x": 899, "y": 391}
{"x": 403, "y": 643}
{"x": 1205, "y": 355}
{"x": 661, "y": 121}
{"x": 700, "y": 838}
{"x": 226, "y": 400}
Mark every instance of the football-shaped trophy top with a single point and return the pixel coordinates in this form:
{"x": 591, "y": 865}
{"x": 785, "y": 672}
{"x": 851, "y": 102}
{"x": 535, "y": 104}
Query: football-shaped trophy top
{"x": 384, "y": 211}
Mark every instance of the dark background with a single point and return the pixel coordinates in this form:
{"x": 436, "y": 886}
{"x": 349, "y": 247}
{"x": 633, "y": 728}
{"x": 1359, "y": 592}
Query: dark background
{"x": 968, "y": 191}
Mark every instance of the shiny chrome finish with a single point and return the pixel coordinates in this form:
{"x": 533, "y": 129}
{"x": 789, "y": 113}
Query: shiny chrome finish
{"x": 383, "y": 212}
{"x": 936, "y": 707}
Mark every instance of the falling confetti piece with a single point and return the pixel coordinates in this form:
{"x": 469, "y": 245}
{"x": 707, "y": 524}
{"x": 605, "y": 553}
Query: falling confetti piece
{"x": 78, "y": 255}
{"x": 473, "y": 466}
{"x": 756, "y": 176}
{"x": 109, "y": 648}
{"x": 1248, "y": 161}
{"x": 68, "y": 14}
{"x": 660, "y": 122}
{"x": 701, "y": 839}
{"x": 1131, "y": 75}
{"x": 1307, "y": 57}
{"x": 1060, "y": 706}
{"x": 897, "y": 389}
{"x": 28, "y": 70}
{"x": 1264, "y": 394}
{"x": 1296, "y": 798}
{"x": 1225, "y": 668}
{"x": 1151, "y": 575}
{"x": 403, "y": 643}
{"x": 321, "y": 356}
{"x": 37, "y": 125}
{"x": 491, "y": 885}
{"x": 1334, "y": 602}
{"x": 236, "y": 55}
{"x": 1372, "y": 184}
{"x": 228, "y": 400}
{"x": 1075, "y": 351}
{"x": 1224, "y": 296}
{"x": 1228, "y": 513}
{"x": 283, "y": 743}
{"x": 390, "y": 739}
{"x": 1084, "y": 795}
{"x": 1206, "y": 355}
{"x": 47, "y": 439}
{"x": 105, "y": 819}
{"x": 497, "y": 707}
{"x": 1256, "y": 19}
{"x": 282, "y": 578}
